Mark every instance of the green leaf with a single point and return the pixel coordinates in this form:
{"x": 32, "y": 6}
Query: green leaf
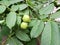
{"x": 18, "y": 20}
{"x": 2, "y": 8}
{"x": 15, "y": 1}
{"x": 31, "y": 14}
{"x": 22, "y": 36}
{"x": 1, "y": 37}
{"x": 26, "y": 12}
{"x": 22, "y": 6}
{"x": 9, "y": 2}
{"x": 25, "y": 31}
{"x": 55, "y": 15}
{"x": 33, "y": 22}
{"x": 50, "y": 35}
{"x": 5, "y": 31}
{"x": 32, "y": 5}
{"x": 14, "y": 8}
{"x": 2, "y": 21}
{"x": 37, "y": 29}
{"x": 39, "y": 6}
{"x": 43, "y": 1}
{"x": 55, "y": 33}
{"x": 6, "y": 3}
{"x": 47, "y": 9}
{"x": 43, "y": 16}
{"x": 11, "y": 19}
{"x": 32, "y": 42}
{"x": 13, "y": 41}
{"x": 46, "y": 35}
{"x": 50, "y": 1}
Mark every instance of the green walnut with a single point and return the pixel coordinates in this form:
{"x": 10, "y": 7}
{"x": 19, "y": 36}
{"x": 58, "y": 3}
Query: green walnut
{"x": 24, "y": 25}
{"x": 26, "y": 18}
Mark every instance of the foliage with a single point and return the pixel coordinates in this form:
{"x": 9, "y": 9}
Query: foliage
{"x": 42, "y": 29}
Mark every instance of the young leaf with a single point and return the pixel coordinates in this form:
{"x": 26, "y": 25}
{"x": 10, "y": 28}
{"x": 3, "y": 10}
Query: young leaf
{"x": 50, "y": 35}
{"x": 22, "y": 36}
{"x": 11, "y": 19}
{"x": 47, "y": 9}
{"x": 37, "y": 29}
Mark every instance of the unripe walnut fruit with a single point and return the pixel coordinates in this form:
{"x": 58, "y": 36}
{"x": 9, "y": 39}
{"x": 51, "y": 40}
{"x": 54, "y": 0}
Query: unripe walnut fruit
{"x": 26, "y": 18}
{"x": 24, "y": 25}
